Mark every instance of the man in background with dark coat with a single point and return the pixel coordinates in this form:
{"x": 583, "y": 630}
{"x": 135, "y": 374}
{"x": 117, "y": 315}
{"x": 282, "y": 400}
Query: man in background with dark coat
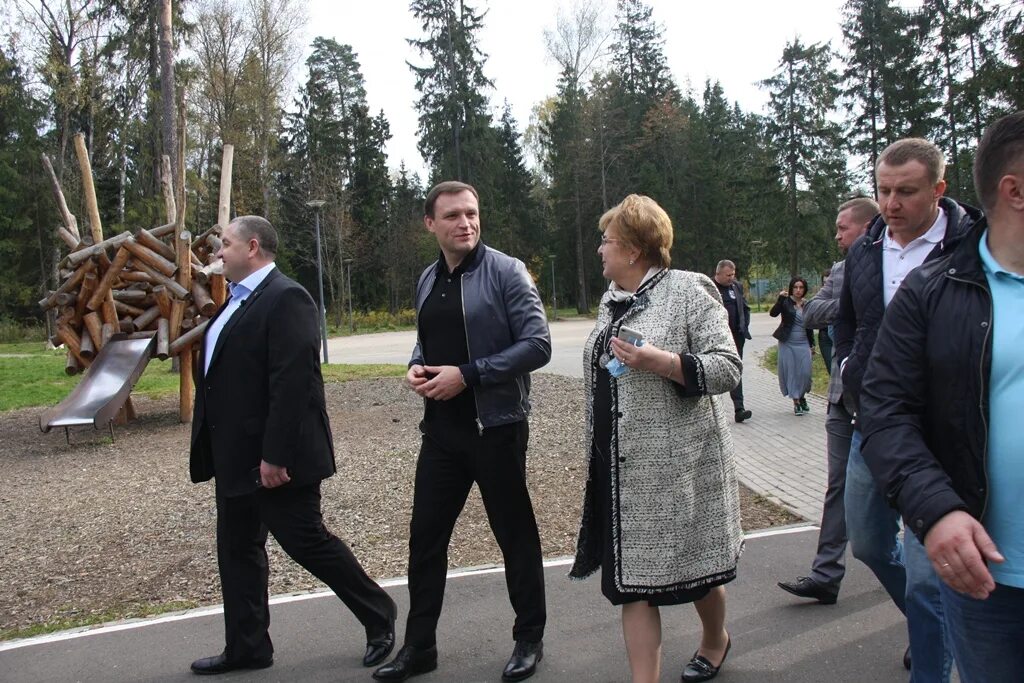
{"x": 739, "y": 323}
{"x": 260, "y": 429}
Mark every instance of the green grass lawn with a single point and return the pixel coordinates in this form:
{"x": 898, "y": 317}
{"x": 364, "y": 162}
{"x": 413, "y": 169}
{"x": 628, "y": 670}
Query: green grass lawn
{"x": 819, "y": 376}
{"x": 34, "y": 376}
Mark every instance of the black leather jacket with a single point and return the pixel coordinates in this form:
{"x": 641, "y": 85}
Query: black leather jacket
{"x": 506, "y": 333}
{"x": 786, "y": 307}
{"x": 861, "y": 303}
{"x": 924, "y": 403}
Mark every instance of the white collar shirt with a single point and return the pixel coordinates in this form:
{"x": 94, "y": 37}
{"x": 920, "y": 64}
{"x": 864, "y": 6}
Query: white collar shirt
{"x": 239, "y": 293}
{"x": 897, "y": 261}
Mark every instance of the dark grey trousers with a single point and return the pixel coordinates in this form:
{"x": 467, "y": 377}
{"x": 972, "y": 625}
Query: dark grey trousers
{"x": 828, "y": 566}
{"x": 737, "y": 393}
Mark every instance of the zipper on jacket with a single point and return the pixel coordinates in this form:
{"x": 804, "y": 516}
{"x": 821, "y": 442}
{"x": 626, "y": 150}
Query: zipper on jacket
{"x": 465, "y": 329}
{"x": 981, "y": 398}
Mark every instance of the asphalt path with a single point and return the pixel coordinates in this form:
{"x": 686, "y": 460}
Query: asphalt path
{"x": 775, "y": 637}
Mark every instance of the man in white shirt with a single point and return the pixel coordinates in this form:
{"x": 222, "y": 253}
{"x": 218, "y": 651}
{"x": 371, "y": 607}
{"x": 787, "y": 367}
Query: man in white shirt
{"x": 916, "y": 224}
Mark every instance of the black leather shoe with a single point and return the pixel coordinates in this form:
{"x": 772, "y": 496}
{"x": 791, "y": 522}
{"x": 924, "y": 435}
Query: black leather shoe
{"x": 523, "y": 662}
{"x": 742, "y": 415}
{"x": 410, "y": 661}
{"x": 219, "y": 664}
{"x": 699, "y": 668}
{"x": 379, "y": 647}
{"x": 806, "y": 587}
{"x": 906, "y": 659}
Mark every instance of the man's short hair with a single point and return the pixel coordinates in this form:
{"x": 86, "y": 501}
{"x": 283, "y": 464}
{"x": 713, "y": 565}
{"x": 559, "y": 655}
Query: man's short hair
{"x": 446, "y": 187}
{"x": 643, "y": 224}
{"x": 864, "y": 208}
{"x": 1000, "y": 151}
{"x": 257, "y": 227}
{"x": 915, "y": 149}
{"x": 724, "y": 263}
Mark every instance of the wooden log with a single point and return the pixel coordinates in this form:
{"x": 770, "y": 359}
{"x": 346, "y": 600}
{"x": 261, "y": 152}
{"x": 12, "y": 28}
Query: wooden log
{"x": 137, "y": 276}
{"x": 71, "y": 365}
{"x": 107, "y": 333}
{"x": 66, "y": 315}
{"x": 163, "y": 300}
{"x": 69, "y": 284}
{"x": 163, "y": 338}
{"x": 99, "y": 295}
{"x": 194, "y": 260}
{"x": 94, "y": 326}
{"x": 125, "y": 325}
{"x": 187, "y": 323}
{"x": 224, "y": 203}
{"x": 146, "y": 239}
{"x": 179, "y": 195}
{"x": 131, "y": 296}
{"x": 71, "y": 340}
{"x": 142, "y": 334}
{"x": 127, "y": 309}
{"x": 216, "y": 244}
{"x": 186, "y": 340}
{"x": 147, "y": 318}
{"x": 215, "y": 267}
{"x": 177, "y": 314}
{"x": 88, "y": 189}
{"x": 152, "y": 259}
{"x": 76, "y": 257}
{"x": 68, "y": 238}
{"x": 85, "y": 292}
{"x": 108, "y": 312}
{"x": 203, "y": 301}
{"x": 86, "y": 347}
{"x": 167, "y": 186}
{"x": 163, "y": 230}
{"x": 218, "y": 289}
{"x": 161, "y": 279}
{"x": 67, "y": 298}
{"x": 183, "y": 245}
{"x": 70, "y": 222}
{"x": 185, "y": 389}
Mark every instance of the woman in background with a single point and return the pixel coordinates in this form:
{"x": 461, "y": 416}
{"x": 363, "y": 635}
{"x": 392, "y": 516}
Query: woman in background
{"x": 661, "y": 514}
{"x": 796, "y": 345}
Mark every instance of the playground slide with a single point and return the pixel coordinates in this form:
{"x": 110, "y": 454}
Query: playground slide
{"x": 105, "y": 386}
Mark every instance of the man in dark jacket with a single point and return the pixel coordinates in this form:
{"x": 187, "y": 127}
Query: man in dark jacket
{"x": 260, "y": 428}
{"x": 941, "y": 406}
{"x": 481, "y": 330}
{"x": 829, "y": 566}
{"x": 917, "y": 224}
{"x": 739, "y": 323}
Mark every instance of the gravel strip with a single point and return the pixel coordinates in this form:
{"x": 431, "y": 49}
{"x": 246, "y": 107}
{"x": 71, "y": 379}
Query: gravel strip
{"x": 94, "y": 530}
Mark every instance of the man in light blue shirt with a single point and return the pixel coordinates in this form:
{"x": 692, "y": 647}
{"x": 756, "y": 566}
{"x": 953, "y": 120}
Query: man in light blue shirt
{"x": 941, "y": 409}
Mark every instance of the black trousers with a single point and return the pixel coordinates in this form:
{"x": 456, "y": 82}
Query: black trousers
{"x": 737, "y": 393}
{"x": 450, "y": 461}
{"x": 293, "y": 516}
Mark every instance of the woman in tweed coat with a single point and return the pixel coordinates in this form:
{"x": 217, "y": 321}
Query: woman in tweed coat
{"x": 661, "y": 510}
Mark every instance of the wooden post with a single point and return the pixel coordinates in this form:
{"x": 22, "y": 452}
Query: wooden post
{"x": 218, "y": 289}
{"x": 99, "y": 295}
{"x": 167, "y": 186}
{"x": 94, "y": 326}
{"x": 146, "y": 239}
{"x": 67, "y": 237}
{"x": 72, "y": 282}
{"x": 147, "y": 317}
{"x": 163, "y": 343}
{"x": 203, "y": 301}
{"x": 188, "y": 339}
{"x": 89, "y": 189}
{"x": 86, "y": 348}
{"x": 71, "y": 366}
{"x": 183, "y": 247}
{"x": 85, "y": 292}
{"x": 224, "y": 204}
{"x": 150, "y": 258}
{"x": 99, "y": 249}
{"x": 70, "y": 222}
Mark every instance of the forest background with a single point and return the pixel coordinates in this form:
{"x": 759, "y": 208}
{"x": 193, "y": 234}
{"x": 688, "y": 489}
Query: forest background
{"x": 760, "y": 188}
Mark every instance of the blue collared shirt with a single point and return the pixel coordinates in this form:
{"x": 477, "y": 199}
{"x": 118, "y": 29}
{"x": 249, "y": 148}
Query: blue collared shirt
{"x": 1003, "y": 519}
{"x": 239, "y": 293}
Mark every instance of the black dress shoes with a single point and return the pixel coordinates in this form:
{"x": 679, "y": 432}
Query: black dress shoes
{"x": 379, "y": 647}
{"x": 523, "y": 662}
{"x": 806, "y": 587}
{"x": 219, "y": 664}
{"x": 410, "y": 661}
{"x": 742, "y": 415}
{"x": 699, "y": 668}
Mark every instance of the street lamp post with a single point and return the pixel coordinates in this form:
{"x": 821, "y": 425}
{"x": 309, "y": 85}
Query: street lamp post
{"x": 351, "y": 317}
{"x": 316, "y": 204}
{"x": 554, "y": 294}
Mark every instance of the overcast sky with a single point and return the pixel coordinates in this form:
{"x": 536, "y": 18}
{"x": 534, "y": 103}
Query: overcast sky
{"x": 737, "y": 42}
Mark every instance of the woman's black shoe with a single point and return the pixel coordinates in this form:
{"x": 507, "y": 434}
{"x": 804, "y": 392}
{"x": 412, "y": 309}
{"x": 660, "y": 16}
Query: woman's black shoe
{"x": 700, "y": 669}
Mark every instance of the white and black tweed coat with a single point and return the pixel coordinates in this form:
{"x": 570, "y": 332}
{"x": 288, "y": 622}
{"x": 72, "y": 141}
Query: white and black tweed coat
{"x": 674, "y": 500}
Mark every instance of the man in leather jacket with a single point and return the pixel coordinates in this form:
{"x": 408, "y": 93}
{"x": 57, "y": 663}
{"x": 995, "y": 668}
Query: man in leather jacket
{"x": 481, "y": 330}
{"x": 940, "y": 409}
{"x": 917, "y": 224}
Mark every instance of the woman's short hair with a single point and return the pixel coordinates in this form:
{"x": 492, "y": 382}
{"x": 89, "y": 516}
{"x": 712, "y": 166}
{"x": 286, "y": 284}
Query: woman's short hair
{"x": 792, "y": 284}
{"x": 640, "y": 223}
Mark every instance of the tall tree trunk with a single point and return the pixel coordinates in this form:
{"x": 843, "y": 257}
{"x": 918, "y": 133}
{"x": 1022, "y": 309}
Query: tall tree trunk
{"x": 168, "y": 92}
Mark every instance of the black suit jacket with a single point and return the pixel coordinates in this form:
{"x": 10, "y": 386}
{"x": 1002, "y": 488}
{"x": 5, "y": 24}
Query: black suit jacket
{"x": 263, "y": 395}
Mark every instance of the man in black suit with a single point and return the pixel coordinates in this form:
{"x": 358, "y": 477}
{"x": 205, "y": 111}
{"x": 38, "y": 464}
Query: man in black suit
{"x": 260, "y": 429}
{"x": 739, "y": 323}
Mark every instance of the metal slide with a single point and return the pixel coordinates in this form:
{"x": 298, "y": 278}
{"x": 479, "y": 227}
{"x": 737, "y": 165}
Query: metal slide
{"x": 105, "y": 386}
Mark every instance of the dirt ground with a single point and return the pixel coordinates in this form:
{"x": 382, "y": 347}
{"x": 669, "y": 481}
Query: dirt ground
{"x": 97, "y": 530}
